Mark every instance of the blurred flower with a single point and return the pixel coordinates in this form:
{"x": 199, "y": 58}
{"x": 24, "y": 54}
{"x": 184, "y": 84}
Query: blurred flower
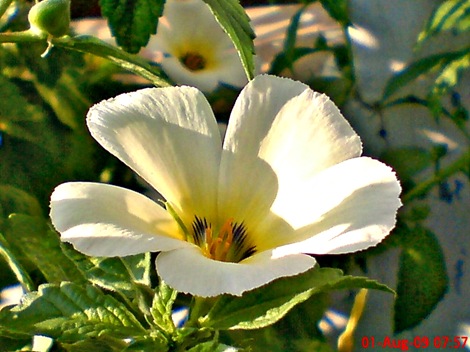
{"x": 287, "y": 180}
{"x": 197, "y": 52}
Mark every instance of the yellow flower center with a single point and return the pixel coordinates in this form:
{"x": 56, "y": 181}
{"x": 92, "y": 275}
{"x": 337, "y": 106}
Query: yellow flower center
{"x": 193, "y": 61}
{"x": 228, "y": 244}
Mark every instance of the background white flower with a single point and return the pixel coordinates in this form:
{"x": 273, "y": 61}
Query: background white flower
{"x": 197, "y": 52}
{"x": 287, "y": 180}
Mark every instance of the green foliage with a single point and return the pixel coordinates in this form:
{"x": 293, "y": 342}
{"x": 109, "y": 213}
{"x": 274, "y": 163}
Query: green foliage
{"x": 70, "y": 312}
{"x": 450, "y": 15}
{"x": 337, "y": 9}
{"x": 233, "y": 19}
{"x": 162, "y": 306}
{"x": 422, "y": 278}
{"x": 89, "y": 303}
{"x": 421, "y": 67}
{"x": 132, "y": 21}
{"x": 36, "y": 245}
{"x": 266, "y": 305}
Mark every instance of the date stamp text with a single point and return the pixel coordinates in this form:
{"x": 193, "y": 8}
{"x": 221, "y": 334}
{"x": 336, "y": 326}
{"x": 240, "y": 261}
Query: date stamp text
{"x": 433, "y": 343}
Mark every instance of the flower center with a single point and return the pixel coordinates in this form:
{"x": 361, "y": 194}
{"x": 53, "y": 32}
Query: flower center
{"x": 227, "y": 244}
{"x": 193, "y": 61}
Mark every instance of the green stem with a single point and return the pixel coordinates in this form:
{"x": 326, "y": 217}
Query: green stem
{"x": 95, "y": 46}
{"x": 425, "y": 186}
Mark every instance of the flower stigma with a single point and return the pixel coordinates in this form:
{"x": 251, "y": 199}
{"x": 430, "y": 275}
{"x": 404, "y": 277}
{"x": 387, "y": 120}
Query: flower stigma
{"x": 193, "y": 61}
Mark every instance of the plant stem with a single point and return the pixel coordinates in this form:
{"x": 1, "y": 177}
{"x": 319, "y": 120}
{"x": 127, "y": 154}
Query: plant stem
{"x": 424, "y": 187}
{"x": 95, "y": 46}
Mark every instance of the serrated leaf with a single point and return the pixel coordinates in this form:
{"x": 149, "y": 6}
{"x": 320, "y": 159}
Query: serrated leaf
{"x": 111, "y": 273}
{"x": 132, "y": 21}
{"x": 420, "y": 67}
{"x": 36, "y": 244}
{"x": 451, "y": 15}
{"x": 235, "y": 22}
{"x": 422, "y": 279}
{"x": 162, "y": 307}
{"x": 69, "y": 313}
{"x": 266, "y": 305}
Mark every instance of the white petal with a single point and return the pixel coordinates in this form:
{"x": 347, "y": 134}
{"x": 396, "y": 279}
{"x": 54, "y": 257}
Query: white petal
{"x": 247, "y": 184}
{"x": 308, "y": 135}
{"x": 169, "y": 136}
{"x": 187, "y": 23}
{"x": 104, "y": 220}
{"x": 348, "y": 207}
{"x": 187, "y": 270}
{"x": 190, "y": 27}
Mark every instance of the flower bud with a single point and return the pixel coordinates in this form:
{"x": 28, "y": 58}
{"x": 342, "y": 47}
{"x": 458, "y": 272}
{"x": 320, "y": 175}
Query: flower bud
{"x": 51, "y": 17}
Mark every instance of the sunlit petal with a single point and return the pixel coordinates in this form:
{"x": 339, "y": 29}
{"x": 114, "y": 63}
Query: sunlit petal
{"x": 348, "y": 207}
{"x": 104, "y": 220}
{"x": 247, "y": 184}
{"x": 187, "y": 270}
{"x": 169, "y": 136}
{"x": 308, "y": 135}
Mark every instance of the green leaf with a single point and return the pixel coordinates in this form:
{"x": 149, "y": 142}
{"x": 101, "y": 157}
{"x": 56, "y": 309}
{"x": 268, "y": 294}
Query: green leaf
{"x": 235, "y": 22}
{"x": 451, "y": 15}
{"x": 283, "y": 60}
{"x": 132, "y": 63}
{"x": 132, "y": 21}
{"x": 420, "y": 67}
{"x": 35, "y": 244}
{"x": 162, "y": 308}
{"x": 449, "y": 77}
{"x": 15, "y": 200}
{"x": 102, "y": 344}
{"x": 111, "y": 273}
{"x": 281, "y": 337}
{"x": 210, "y": 346}
{"x": 291, "y": 38}
{"x": 338, "y": 10}
{"x": 266, "y": 305}
{"x": 37, "y": 152}
{"x": 70, "y": 312}
{"x": 407, "y": 161}
{"x": 422, "y": 279}
{"x": 15, "y": 266}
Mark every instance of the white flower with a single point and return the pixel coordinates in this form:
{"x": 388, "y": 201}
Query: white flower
{"x": 287, "y": 180}
{"x": 197, "y": 51}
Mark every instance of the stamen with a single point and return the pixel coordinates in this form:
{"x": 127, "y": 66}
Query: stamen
{"x": 229, "y": 244}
